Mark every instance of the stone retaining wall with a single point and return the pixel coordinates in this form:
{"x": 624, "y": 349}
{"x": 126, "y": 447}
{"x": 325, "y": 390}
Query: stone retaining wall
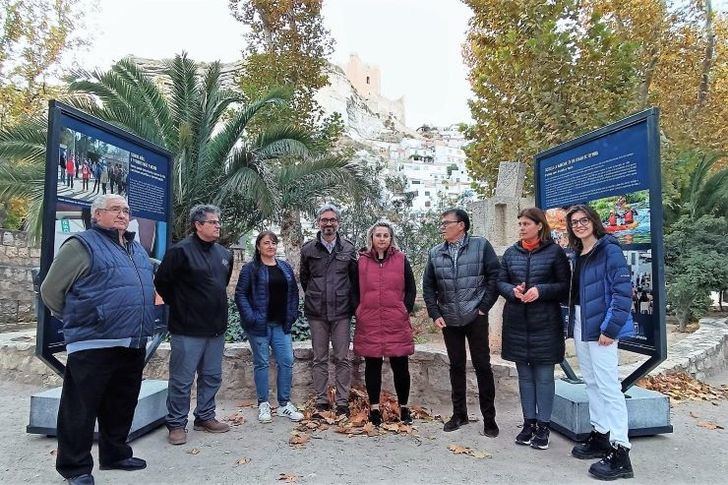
{"x": 429, "y": 370}
{"x": 17, "y": 259}
{"x": 701, "y": 354}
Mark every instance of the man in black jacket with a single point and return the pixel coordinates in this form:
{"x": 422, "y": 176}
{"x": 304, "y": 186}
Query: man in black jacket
{"x": 459, "y": 287}
{"x": 328, "y": 278}
{"x": 192, "y": 280}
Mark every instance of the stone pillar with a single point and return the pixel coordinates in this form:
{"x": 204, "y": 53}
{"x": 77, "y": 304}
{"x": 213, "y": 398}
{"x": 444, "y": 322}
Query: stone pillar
{"x": 496, "y": 218}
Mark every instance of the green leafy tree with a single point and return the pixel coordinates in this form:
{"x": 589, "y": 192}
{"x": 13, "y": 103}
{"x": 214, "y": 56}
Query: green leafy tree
{"x": 696, "y": 261}
{"x": 541, "y": 73}
{"x": 288, "y": 45}
{"x": 35, "y": 38}
{"x": 545, "y": 72}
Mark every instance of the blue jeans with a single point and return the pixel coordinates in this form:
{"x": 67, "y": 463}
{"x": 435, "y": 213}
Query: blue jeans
{"x": 536, "y": 386}
{"x": 282, "y": 346}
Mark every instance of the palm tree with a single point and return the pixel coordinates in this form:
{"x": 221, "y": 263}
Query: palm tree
{"x": 271, "y": 176}
{"x": 215, "y": 159}
{"x": 190, "y": 116}
{"x": 704, "y": 193}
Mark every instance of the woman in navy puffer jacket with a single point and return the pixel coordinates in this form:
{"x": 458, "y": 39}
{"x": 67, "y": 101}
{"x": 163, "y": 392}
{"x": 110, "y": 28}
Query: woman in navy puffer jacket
{"x": 600, "y": 314}
{"x": 267, "y": 299}
{"x": 534, "y": 279}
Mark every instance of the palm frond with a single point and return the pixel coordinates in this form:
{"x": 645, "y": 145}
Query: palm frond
{"x": 24, "y": 143}
{"x": 222, "y": 144}
{"x": 246, "y": 178}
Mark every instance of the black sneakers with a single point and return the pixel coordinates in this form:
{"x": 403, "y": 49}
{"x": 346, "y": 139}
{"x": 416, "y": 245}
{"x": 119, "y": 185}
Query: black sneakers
{"x": 616, "y": 464}
{"x": 455, "y": 422}
{"x": 540, "y": 439}
{"x": 343, "y": 410}
{"x": 404, "y": 415}
{"x": 375, "y": 417}
{"x": 596, "y": 446}
{"x": 526, "y": 434}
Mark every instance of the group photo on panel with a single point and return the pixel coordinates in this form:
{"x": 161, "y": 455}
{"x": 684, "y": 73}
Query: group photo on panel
{"x": 102, "y": 286}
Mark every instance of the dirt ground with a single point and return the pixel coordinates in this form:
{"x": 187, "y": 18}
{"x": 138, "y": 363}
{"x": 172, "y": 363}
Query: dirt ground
{"x": 692, "y": 454}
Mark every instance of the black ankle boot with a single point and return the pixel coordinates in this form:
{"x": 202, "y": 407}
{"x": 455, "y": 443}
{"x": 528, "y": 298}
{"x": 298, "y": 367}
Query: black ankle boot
{"x": 540, "y": 439}
{"x": 596, "y": 446}
{"x": 616, "y": 464}
{"x": 526, "y": 434}
{"x": 375, "y": 417}
{"x": 404, "y": 415}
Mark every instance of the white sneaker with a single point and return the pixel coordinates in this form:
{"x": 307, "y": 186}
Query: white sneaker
{"x": 289, "y": 411}
{"x": 264, "y": 413}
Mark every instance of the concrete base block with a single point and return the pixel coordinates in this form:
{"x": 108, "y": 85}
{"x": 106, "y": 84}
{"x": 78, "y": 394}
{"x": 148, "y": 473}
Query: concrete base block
{"x": 149, "y": 414}
{"x": 648, "y": 411}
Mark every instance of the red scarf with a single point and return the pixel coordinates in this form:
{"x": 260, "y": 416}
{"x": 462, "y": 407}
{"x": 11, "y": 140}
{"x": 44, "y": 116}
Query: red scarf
{"x": 530, "y": 246}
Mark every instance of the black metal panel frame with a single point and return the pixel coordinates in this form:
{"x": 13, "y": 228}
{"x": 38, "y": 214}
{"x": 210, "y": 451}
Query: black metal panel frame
{"x": 651, "y": 117}
{"x": 55, "y": 110}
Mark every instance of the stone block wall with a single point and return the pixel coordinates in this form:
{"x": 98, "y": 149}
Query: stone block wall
{"x": 17, "y": 259}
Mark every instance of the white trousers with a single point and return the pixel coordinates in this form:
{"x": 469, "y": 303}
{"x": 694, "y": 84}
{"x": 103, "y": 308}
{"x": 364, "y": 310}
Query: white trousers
{"x": 607, "y": 407}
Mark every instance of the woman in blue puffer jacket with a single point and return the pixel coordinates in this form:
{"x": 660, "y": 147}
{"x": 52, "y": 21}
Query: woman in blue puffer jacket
{"x": 267, "y": 299}
{"x": 600, "y": 307}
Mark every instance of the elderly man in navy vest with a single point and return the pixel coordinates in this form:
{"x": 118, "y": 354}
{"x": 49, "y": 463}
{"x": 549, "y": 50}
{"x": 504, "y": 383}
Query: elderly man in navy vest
{"x": 100, "y": 286}
{"x": 193, "y": 279}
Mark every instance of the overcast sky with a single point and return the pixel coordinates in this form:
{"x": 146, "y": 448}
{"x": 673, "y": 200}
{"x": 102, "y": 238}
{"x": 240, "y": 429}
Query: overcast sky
{"x": 416, "y": 43}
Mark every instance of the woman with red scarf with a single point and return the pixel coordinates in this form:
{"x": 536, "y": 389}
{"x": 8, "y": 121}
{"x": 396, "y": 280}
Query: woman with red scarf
{"x": 534, "y": 279}
{"x": 386, "y": 297}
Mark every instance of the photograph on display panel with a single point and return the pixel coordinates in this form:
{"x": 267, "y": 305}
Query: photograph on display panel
{"x": 87, "y": 158}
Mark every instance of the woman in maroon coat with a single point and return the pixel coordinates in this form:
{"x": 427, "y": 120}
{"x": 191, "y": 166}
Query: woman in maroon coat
{"x": 386, "y": 297}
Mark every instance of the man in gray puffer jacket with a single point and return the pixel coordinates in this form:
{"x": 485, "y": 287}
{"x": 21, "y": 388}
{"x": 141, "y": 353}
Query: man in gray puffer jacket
{"x": 459, "y": 287}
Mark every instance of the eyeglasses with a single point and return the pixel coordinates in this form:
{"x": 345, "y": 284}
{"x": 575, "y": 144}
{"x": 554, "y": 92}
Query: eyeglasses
{"x": 332, "y": 220}
{"x": 212, "y": 222}
{"x": 584, "y": 221}
{"x": 447, "y": 223}
{"x": 117, "y": 210}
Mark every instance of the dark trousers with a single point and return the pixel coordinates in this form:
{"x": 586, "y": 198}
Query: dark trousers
{"x": 476, "y": 334}
{"x": 373, "y": 378}
{"x": 103, "y": 384}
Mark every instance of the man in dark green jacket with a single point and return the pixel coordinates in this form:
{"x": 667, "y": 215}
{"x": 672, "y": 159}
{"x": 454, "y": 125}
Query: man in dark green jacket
{"x": 459, "y": 287}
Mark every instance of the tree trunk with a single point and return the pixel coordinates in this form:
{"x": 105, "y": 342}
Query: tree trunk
{"x": 709, "y": 52}
{"x": 292, "y": 236}
{"x": 682, "y": 318}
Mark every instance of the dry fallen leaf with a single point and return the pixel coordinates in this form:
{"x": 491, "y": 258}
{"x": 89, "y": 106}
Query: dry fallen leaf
{"x": 709, "y": 425}
{"x": 288, "y": 477}
{"x": 54, "y": 451}
{"x": 193, "y": 451}
{"x": 298, "y": 439}
{"x": 464, "y": 450}
{"x": 236, "y": 419}
{"x": 458, "y": 449}
{"x": 242, "y": 461}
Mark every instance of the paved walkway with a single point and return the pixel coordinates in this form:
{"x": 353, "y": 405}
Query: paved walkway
{"x": 692, "y": 454}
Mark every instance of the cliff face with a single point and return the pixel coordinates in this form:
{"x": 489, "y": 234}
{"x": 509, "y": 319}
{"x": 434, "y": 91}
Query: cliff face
{"x": 363, "y": 120}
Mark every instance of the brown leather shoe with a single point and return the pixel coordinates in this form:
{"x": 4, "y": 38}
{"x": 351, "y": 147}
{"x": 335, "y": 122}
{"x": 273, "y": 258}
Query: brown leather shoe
{"x": 211, "y": 426}
{"x": 177, "y": 436}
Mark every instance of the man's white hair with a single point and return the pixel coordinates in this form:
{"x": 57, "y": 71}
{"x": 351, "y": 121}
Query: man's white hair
{"x": 102, "y": 201}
